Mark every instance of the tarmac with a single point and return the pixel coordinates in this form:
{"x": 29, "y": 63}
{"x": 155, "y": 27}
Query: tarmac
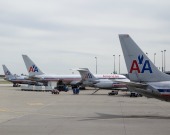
{"x": 42, "y": 113}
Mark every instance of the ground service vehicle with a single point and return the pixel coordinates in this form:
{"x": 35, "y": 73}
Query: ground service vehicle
{"x": 135, "y": 94}
{"x": 55, "y": 91}
{"x": 113, "y": 92}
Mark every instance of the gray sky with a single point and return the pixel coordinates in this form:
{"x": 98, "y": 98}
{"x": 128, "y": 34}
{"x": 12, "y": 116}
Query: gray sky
{"x": 65, "y": 34}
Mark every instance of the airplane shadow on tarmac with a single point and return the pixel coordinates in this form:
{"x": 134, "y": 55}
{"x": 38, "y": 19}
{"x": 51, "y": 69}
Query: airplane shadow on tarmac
{"x": 102, "y": 116}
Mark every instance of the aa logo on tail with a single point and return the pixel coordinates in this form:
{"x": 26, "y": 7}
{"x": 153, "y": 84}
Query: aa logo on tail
{"x": 33, "y": 68}
{"x": 145, "y": 64}
{"x": 87, "y": 76}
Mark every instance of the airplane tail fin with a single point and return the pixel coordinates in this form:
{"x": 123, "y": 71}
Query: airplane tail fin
{"x": 140, "y": 67}
{"x": 31, "y": 66}
{"x": 7, "y": 73}
{"x": 86, "y": 75}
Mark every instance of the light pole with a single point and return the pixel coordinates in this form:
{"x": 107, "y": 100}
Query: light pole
{"x": 96, "y": 64}
{"x": 164, "y": 60}
{"x": 154, "y": 58}
{"x": 119, "y": 64}
{"x": 114, "y": 64}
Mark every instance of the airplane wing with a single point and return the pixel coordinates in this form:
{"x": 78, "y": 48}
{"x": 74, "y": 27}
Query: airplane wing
{"x": 132, "y": 85}
{"x": 136, "y": 84}
{"x": 139, "y": 88}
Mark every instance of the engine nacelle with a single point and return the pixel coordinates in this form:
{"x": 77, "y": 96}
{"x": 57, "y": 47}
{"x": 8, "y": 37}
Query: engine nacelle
{"x": 87, "y": 83}
{"x": 104, "y": 85}
{"x": 109, "y": 85}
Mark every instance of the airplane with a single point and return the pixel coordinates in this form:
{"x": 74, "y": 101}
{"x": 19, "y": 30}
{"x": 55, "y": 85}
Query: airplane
{"x": 15, "y": 79}
{"x": 111, "y": 82}
{"x": 36, "y": 74}
{"x": 145, "y": 77}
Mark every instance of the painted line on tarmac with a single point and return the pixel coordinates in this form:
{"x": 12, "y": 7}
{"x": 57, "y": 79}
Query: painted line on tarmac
{"x": 3, "y": 110}
{"x": 35, "y": 104}
{"x": 42, "y": 114}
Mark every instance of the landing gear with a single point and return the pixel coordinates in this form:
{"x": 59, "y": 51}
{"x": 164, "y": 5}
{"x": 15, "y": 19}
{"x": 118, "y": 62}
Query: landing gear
{"x": 16, "y": 85}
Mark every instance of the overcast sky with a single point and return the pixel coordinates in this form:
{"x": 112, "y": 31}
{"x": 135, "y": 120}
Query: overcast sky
{"x": 62, "y": 34}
